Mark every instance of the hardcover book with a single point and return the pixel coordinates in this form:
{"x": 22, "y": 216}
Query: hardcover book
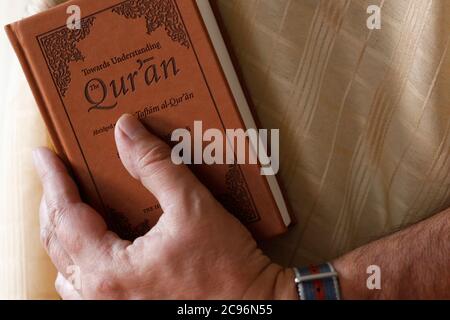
{"x": 163, "y": 61}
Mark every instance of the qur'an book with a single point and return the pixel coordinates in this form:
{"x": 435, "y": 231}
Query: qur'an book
{"x": 163, "y": 61}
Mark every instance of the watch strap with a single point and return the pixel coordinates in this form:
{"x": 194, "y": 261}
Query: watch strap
{"x": 317, "y": 282}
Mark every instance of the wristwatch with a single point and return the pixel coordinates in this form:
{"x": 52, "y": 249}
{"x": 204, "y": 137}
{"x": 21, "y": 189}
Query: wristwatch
{"x": 317, "y": 282}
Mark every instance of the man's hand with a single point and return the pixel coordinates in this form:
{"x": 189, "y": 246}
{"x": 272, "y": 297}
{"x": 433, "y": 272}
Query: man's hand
{"x": 196, "y": 250}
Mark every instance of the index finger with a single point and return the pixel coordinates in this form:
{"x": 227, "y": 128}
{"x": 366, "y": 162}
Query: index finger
{"x": 79, "y": 229}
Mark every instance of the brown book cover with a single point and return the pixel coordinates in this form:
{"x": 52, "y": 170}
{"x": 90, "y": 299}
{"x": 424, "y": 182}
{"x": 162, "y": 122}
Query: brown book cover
{"x": 163, "y": 61}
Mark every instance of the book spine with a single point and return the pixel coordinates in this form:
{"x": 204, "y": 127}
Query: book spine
{"x": 11, "y": 32}
{"x": 226, "y": 56}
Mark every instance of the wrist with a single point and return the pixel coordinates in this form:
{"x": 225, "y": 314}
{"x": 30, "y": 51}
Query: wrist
{"x": 353, "y": 279}
{"x": 274, "y": 283}
{"x": 285, "y": 288}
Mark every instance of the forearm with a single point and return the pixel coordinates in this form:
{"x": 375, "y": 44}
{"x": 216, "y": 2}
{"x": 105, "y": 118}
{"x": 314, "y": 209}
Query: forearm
{"x": 414, "y": 263}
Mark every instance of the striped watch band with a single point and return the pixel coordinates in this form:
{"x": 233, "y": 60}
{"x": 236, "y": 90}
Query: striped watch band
{"x": 317, "y": 282}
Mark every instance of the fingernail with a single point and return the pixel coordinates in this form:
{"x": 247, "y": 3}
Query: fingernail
{"x": 131, "y": 126}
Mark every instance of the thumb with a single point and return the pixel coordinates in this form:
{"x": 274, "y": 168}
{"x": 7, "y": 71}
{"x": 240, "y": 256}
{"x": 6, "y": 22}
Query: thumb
{"x": 147, "y": 159}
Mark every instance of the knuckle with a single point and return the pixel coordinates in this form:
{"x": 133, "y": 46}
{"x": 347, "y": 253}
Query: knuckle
{"x": 56, "y": 213}
{"x": 152, "y": 155}
{"x": 47, "y": 236}
{"x": 56, "y": 216}
{"x": 122, "y": 258}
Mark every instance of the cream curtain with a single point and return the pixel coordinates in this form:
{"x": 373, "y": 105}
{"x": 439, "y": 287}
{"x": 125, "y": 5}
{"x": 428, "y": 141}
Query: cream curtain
{"x": 25, "y": 270}
{"x": 364, "y": 118}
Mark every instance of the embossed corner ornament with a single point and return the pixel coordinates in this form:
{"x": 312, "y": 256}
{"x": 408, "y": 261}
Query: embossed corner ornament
{"x": 157, "y": 13}
{"x": 237, "y": 198}
{"x": 60, "y": 48}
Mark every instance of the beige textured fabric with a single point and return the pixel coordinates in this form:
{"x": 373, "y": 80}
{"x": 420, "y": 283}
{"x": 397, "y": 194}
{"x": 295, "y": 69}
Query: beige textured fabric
{"x": 364, "y": 115}
{"x": 364, "y": 118}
